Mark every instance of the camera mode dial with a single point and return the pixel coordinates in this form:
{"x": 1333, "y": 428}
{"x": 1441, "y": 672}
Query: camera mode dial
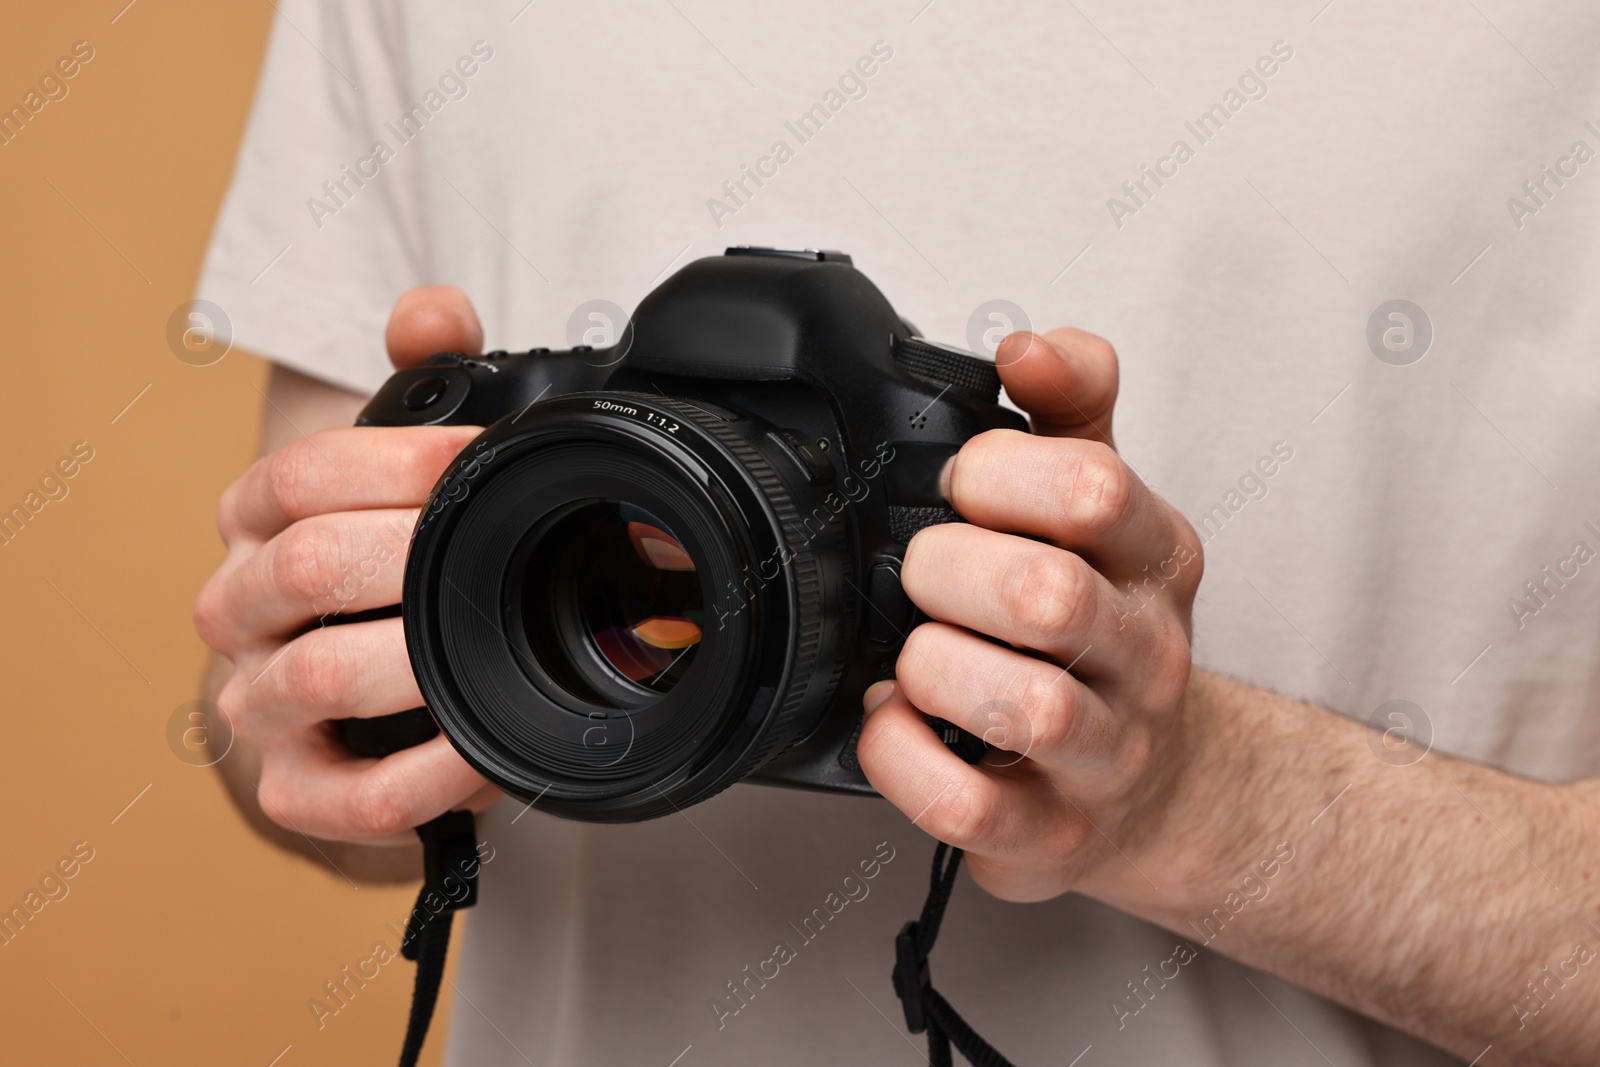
{"x": 946, "y": 366}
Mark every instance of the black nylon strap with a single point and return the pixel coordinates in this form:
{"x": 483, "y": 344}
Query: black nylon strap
{"x": 431, "y": 947}
{"x": 449, "y": 883}
{"x": 925, "y": 1008}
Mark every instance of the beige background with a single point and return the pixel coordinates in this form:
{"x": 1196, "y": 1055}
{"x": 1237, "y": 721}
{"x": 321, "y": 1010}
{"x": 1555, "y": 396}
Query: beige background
{"x": 185, "y": 940}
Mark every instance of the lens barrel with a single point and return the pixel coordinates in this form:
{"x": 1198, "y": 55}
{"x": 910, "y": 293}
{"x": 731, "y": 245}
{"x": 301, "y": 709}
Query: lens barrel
{"x": 608, "y": 616}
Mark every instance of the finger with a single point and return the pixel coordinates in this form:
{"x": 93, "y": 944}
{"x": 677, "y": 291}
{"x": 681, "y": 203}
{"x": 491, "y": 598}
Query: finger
{"x": 959, "y": 804}
{"x": 339, "y": 470}
{"x": 483, "y": 799}
{"x": 1028, "y": 594}
{"x": 1066, "y": 381}
{"x": 332, "y": 672}
{"x": 317, "y": 790}
{"x": 340, "y": 563}
{"x": 433, "y": 318}
{"x": 1079, "y": 494}
{"x": 1024, "y": 705}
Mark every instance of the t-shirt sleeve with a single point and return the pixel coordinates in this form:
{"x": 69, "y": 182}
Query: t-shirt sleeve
{"x": 324, "y": 222}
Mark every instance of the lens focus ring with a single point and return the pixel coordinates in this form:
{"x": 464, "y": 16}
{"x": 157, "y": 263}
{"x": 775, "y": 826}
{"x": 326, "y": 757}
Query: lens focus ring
{"x": 807, "y": 623}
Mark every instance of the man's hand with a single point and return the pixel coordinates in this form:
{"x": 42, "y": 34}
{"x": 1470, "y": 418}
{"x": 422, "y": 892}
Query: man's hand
{"x": 317, "y": 528}
{"x": 1087, "y": 577}
{"x": 1452, "y": 900}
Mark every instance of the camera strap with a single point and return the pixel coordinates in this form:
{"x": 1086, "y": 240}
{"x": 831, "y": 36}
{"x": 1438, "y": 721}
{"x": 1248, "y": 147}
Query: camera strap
{"x": 449, "y": 883}
{"x": 925, "y": 1008}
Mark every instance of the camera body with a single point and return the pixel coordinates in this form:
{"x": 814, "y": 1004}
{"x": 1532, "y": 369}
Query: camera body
{"x": 674, "y": 563}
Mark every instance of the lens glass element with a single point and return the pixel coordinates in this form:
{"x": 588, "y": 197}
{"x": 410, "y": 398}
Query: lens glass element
{"x": 612, "y": 604}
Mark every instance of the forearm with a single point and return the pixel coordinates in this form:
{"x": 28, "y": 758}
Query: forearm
{"x": 241, "y": 773}
{"x": 1428, "y": 895}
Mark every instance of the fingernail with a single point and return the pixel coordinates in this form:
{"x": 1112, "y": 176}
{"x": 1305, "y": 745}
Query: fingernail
{"x": 944, "y": 477}
{"x": 1006, "y": 354}
{"x": 876, "y": 694}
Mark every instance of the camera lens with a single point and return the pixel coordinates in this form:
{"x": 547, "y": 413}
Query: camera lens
{"x": 611, "y": 603}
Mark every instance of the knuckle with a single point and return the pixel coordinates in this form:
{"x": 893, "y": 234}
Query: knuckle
{"x": 233, "y": 704}
{"x": 1050, "y": 709}
{"x": 211, "y": 613}
{"x": 968, "y": 815}
{"x": 1192, "y": 554}
{"x": 305, "y": 561}
{"x": 375, "y": 807}
{"x": 230, "y": 523}
{"x": 1067, "y": 835}
{"x": 1090, "y": 346}
{"x": 276, "y": 799}
{"x": 1101, "y": 491}
{"x": 316, "y": 674}
{"x": 1050, "y": 596}
{"x": 1138, "y": 749}
{"x": 290, "y": 472}
{"x": 1169, "y": 664}
{"x": 1097, "y": 348}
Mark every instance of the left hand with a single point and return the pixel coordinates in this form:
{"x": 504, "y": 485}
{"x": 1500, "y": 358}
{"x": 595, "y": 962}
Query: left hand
{"x": 1083, "y": 698}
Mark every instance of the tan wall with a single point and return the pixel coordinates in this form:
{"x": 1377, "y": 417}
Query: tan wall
{"x": 184, "y": 940}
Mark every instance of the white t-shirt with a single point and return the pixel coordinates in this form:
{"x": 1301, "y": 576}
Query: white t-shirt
{"x": 1234, "y": 194}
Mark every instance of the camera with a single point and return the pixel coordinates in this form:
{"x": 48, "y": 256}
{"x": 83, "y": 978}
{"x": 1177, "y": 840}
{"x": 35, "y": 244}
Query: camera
{"x": 673, "y": 563}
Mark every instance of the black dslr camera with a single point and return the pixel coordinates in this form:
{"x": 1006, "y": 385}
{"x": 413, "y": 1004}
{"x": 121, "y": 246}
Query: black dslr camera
{"x": 672, "y": 564}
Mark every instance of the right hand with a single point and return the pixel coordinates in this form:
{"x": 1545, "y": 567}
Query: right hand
{"x": 323, "y": 526}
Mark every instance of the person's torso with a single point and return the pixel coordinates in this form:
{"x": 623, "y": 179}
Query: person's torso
{"x": 1232, "y": 195}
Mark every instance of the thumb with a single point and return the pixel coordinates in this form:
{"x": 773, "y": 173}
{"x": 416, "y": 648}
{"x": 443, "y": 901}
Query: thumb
{"x": 429, "y": 319}
{"x": 1065, "y": 380}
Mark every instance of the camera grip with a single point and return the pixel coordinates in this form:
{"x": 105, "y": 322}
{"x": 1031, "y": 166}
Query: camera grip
{"x": 382, "y": 735}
